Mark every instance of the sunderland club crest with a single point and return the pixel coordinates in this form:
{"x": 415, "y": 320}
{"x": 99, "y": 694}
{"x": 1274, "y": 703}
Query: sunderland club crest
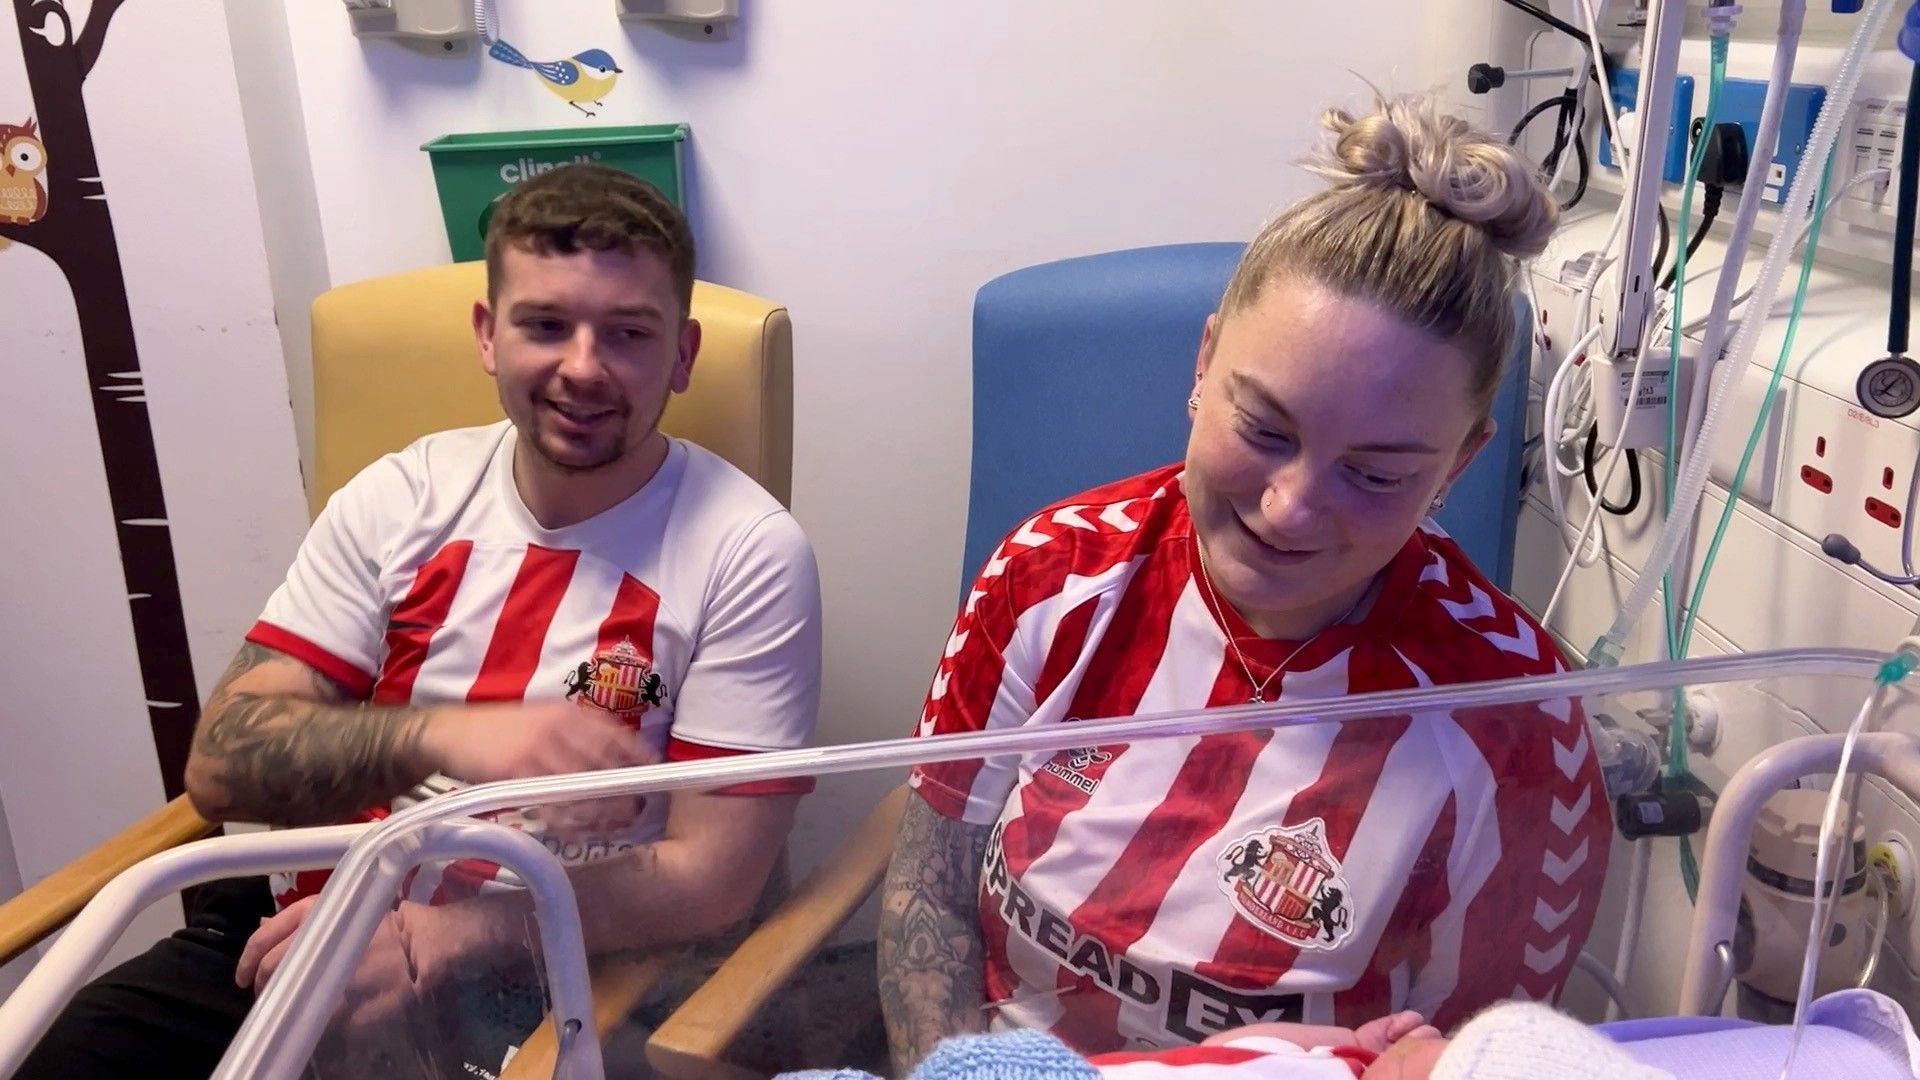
{"x": 618, "y": 680}
{"x": 1287, "y": 882}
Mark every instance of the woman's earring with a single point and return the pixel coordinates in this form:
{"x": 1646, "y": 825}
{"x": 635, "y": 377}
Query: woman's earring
{"x": 1439, "y": 502}
{"x": 1194, "y": 401}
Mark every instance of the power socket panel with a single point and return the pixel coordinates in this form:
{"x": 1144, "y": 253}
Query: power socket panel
{"x": 1844, "y": 470}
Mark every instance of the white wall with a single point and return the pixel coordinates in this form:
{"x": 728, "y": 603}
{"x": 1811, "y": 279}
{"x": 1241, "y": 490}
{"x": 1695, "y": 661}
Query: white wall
{"x": 78, "y": 762}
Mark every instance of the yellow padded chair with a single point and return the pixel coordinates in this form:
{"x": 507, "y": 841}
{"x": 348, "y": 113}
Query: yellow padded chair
{"x": 394, "y": 359}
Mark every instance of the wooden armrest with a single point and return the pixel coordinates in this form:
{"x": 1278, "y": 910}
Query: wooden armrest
{"x": 56, "y": 899}
{"x": 618, "y": 987}
{"x": 695, "y": 1038}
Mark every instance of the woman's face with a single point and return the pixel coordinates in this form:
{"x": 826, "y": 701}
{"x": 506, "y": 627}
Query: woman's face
{"x": 1325, "y": 429}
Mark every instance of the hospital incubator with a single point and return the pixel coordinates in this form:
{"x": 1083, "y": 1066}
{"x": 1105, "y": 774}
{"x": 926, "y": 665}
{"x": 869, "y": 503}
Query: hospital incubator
{"x": 1515, "y": 892}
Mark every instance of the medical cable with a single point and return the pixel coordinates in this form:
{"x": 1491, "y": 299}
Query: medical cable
{"x": 486, "y": 21}
{"x": 1666, "y": 236}
{"x": 1561, "y": 101}
{"x": 1680, "y": 525}
{"x": 1877, "y": 875}
{"x": 1564, "y": 397}
{"x": 1709, "y": 210}
{"x": 1841, "y": 549}
{"x": 1597, "y": 56}
{"x": 1693, "y": 477}
{"x": 1720, "y": 326}
{"x": 1716, "y": 82}
{"x": 1902, "y": 285}
{"x": 1554, "y": 422}
{"x": 1676, "y": 770}
{"x": 1882, "y": 174}
{"x": 1593, "y": 510}
{"x": 1579, "y": 76}
{"x": 1593, "y": 486}
{"x": 1616, "y": 994}
{"x": 1551, "y": 442}
{"x": 1897, "y": 667}
{"x": 1569, "y": 119}
{"x": 1585, "y": 170}
{"x": 1706, "y": 401}
{"x": 1692, "y": 612}
{"x": 1832, "y": 200}
{"x": 1578, "y": 541}
{"x": 1630, "y": 926}
{"x": 1549, "y": 18}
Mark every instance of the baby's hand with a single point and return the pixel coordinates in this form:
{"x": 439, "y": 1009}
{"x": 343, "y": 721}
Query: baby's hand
{"x": 1377, "y": 1035}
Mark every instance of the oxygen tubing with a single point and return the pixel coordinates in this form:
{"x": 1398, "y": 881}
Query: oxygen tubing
{"x": 1676, "y": 764}
{"x": 1607, "y": 649}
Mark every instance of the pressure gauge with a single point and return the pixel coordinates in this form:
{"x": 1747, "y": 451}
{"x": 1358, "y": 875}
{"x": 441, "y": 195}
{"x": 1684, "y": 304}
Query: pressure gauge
{"x": 1889, "y": 387}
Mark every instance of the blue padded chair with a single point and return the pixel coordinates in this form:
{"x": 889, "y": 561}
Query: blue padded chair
{"x": 1081, "y": 372}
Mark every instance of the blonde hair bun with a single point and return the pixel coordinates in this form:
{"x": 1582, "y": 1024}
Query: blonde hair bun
{"x": 1407, "y": 143}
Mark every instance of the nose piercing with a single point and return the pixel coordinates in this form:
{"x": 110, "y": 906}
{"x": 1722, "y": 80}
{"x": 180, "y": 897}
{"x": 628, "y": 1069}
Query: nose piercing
{"x": 1266, "y": 501}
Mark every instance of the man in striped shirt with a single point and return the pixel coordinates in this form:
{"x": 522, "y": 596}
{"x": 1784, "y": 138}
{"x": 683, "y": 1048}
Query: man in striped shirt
{"x": 566, "y": 590}
{"x": 1153, "y": 894}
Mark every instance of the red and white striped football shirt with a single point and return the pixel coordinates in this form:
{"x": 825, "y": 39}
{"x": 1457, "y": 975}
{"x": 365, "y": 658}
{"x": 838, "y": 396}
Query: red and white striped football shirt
{"x": 1253, "y": 1057}
{"x": 691, "y": 610}
{"x": 1155, "y": 893}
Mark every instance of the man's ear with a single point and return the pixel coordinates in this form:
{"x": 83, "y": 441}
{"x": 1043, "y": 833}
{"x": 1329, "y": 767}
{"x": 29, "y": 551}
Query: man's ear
{"x": 483, "y": 334}
{"x": 689, "y": 351}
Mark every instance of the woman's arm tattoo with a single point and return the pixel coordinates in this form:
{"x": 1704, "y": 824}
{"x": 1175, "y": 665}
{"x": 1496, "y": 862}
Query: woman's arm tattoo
{"x": 932, "y": 982}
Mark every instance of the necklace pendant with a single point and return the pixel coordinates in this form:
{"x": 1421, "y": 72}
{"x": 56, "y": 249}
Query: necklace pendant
{"x": 1256, "y": 700}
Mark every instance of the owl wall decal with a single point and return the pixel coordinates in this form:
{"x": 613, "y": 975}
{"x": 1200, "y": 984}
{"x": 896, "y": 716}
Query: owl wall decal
{"x": 23, "y": 158}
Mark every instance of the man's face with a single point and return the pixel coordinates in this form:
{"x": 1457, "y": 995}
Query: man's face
{"x": 585, "y": 348}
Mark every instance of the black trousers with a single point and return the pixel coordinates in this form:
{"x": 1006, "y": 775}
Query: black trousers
{"x": 168, "y": 1012}
{"x": 171, "y": 1011}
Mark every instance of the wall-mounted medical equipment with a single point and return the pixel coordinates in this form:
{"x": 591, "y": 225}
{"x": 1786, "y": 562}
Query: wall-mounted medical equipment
{"x": 436, "y": 27}
{"x": 700, "y": 19}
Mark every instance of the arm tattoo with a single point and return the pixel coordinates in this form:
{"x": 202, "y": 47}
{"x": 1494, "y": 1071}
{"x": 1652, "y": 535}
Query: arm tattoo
{"x": 932, "y": 982}
{"x": 301, "y": 759}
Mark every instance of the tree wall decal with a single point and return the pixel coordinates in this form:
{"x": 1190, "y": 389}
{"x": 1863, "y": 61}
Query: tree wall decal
{"x": 76, "y": 233}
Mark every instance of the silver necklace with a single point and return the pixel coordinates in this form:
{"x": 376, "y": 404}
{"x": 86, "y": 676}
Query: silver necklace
{"x": 1213, "y": 604}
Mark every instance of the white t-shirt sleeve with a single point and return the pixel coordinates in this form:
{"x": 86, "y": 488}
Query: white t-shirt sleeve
{"x": 754, "y": 681}
{"x": 329, "y": 613}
